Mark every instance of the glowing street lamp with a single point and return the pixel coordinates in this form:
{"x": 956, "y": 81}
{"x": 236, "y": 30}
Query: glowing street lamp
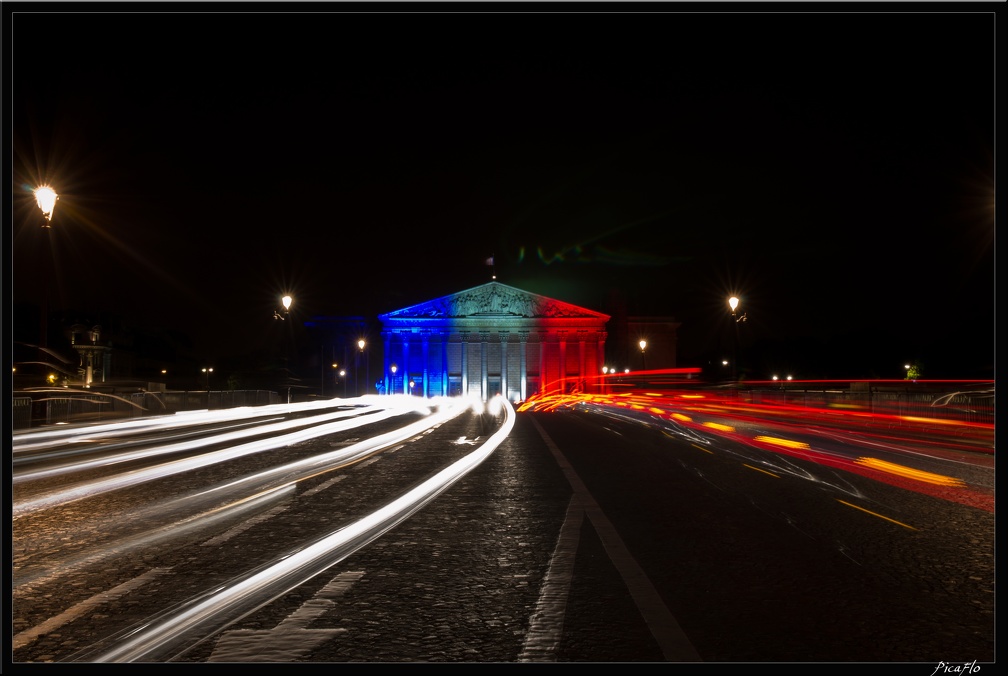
{"x": 206, "y": 372}
{"x": 391, "y": 386}
{"x": 46, "y": 199}
{"x": 733, "y": 304}
{"x": 643, "y": 344}
{"x": 342, "y": 374}
{"x": 360, "y": 350}
{"x": 286, "y": 302}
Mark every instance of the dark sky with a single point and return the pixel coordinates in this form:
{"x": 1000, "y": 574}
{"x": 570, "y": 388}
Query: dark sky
{"x": 834, "y": 169}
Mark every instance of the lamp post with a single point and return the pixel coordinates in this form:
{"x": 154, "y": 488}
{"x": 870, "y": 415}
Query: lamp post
{"x": 643, "y": 344}
{"x": 342, "y": 374}
{"x": 391, "y": 386}
{"x": 360, "y": 350}
{"x": 206, "y": 373}
{"x": 733, "y": 303}
{"x": 45, "y": 198}
{"x": 286, "y": 301}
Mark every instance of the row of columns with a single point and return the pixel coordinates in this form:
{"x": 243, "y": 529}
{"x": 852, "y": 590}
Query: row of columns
{"x": 484, "y": 336}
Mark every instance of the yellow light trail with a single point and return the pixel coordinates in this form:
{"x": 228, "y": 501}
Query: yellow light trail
{"x": 776, "y": 476}
{"x": 783, "y": 442}
{"x": 909, "y": 472}
{"x": 868, "y": 511}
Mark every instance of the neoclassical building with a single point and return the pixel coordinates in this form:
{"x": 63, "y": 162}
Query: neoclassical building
{"x": 492, "y": 339}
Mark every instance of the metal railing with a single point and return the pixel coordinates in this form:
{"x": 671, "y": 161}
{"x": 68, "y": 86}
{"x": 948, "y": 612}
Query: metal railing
{"x": 54, "y": 407}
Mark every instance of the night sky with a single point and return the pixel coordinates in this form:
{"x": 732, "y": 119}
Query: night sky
{"x": 834, "y": 169}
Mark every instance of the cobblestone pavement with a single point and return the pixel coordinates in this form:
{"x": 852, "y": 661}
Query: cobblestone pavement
{"x": 510, "y": 564}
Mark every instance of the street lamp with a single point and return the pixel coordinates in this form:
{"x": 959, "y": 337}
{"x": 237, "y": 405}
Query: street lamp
{"x": 643, "y": 344}
{"x": 206, "y": 372}
{"x": 286, "y": 302}
{"x": 733, "y": 303}
{"x": 391, "y": 386}
{"x": 360, "y": 350}
{"x": 342, "y": 374}
{"x": 46, "y": 198}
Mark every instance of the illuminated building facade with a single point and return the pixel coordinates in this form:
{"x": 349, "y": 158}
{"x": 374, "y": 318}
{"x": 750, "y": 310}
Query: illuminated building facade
{"x": 492, "y": 339}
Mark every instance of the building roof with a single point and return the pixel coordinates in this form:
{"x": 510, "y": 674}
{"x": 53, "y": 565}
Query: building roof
{"x": 491, "y": 300}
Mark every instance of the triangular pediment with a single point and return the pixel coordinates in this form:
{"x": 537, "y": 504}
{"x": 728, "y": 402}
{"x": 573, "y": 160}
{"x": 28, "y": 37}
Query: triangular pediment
{"x": 493, "y": 300}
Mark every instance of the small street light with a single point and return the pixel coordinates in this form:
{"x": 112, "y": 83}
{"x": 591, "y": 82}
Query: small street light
{"x": 643, "y": 344}
{"x": 391, "y": 386}
{"x": 342, "y": 374}
{"x": 206, "y": 372}
{"x": 733, "y": 303}
{"x": 286, "y": 302}
{"x": 360, "y": 350}
{"x": 46, "y": 199}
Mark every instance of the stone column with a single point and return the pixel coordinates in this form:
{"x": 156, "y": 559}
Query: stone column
{"x": 542, "y": 362}
{"x": 388, "y": 361}
{"x": 523, "y": 338}
{"x": 600, "y": 346}
{"x": 444, "y": 363}
{"x": 503, "y": 335}
{"x": 404, "y": 367}
{"x": 425, "y": 347}
{"x": 464, "y": 335}
{"x": 484, "y": 337}
{"x": 582, "y": 381}
{"x": 562, "y": 340}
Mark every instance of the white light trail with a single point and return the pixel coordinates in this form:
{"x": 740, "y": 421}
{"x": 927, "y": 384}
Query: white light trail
{"x": 186, "y": 464}
{"x": 231, "y": 602}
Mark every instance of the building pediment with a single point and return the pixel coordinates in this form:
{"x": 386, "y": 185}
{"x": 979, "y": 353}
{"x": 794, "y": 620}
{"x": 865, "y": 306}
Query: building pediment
{"x": 493, "y": 300}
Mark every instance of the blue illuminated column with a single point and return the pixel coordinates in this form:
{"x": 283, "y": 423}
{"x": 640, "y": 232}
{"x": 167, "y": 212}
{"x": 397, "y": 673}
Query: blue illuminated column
{"x": 387, "y": 357}
{"x": 424, "y": 347}
{"x": 444, "y": 363}
{"x": 405, "y": 360}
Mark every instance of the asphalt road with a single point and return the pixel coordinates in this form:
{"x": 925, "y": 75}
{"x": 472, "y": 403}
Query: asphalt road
{"x": 581, "y": 537}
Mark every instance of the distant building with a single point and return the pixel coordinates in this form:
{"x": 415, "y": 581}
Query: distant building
{"x": 660, "y": 337}
{"x": 492, "y": 339}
